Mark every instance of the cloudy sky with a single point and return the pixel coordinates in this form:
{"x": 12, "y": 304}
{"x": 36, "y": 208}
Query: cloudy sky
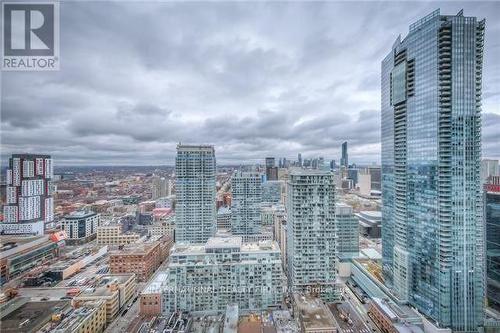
{"x": 254, "y": 79}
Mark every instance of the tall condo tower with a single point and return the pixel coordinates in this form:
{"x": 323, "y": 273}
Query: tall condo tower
{"x": 196, "y": 218}
{"x": 245, "y": 203}
{"x": 432, "y": 232}
{"x": 311, "y": 243}
{"x": 29, "y": 203}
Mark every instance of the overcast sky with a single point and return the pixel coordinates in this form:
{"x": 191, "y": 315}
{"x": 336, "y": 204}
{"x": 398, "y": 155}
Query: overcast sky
{"x": 254, "y": 79}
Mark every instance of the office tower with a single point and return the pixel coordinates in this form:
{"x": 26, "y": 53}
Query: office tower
{"x": 488, "y": 168}
{"x": 280, "y": 163}
{"x": 195, "y": 187}
{"x": 29, "y": 203}
{"x": 376, "y": 177}
{"x": 352, "y": 173}
{"x": 160, "y": 187}
{"x": 344, "y": 160}
{"x": 271, "y": 169}
{"x": 346, "y": 224}
{"x": 492, "y": 222}
{"x": 224, "y": 270}
{"x": 432, "y": 233}
{"x": 299, "y": 159}
{"x": 271, "y": 191}
{"x": 246, "y": 200}
{"x": 311, "y": 243}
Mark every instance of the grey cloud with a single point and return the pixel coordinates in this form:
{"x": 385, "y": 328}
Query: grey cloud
{"x": 254, "y": 79}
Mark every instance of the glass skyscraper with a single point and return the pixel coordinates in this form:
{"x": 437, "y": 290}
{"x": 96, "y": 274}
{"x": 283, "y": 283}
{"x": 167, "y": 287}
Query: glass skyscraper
{"x": 196, "y": 218}
{"x": 432, "y": 233}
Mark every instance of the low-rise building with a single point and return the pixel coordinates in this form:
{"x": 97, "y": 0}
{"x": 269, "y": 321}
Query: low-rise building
{"x": 143, "y": 259}
{"x": 370, "y": 223}
{"x": 80, "y": 226}
{"x": 85, "y": 317}
{"x": 115, "y": 289}
{"x": 222, "y": 271}
{"x": 313, "y": 314}
{"x": 393, "y": 318}
{"x": 114, "y": 235}
{"x": 21, "y": 253}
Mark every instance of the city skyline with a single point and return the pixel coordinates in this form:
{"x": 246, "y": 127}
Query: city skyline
{"x": 139, "y": 104}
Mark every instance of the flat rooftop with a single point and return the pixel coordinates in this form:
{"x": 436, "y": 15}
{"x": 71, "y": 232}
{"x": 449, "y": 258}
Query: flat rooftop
{"x": 12, "y": 244}
{"x": 79, "y": 214}
{"x": 31, "y": 316}
{"x": 135, "y": 249}
{"x": 224, "y": 243}
{"x": 314, "y": 314}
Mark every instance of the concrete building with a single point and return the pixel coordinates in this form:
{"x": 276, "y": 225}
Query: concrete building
{"x": 196, "y": 195}
{"x": 364, "y": 184}
{"x": 246, "y": 202}
{"x": 115, "y": 289}
{"x": 142, "y": 259}
{"x": 432, "y": 231}
{"x": 207, "y": 277}
{"x": 113, "y": 235}
{"x": 311, "y": 242}
{"x": 370, "y": 223}
{"x": 313, "y": 314}
{"x": 85, "y": 317}
{"x": 80, "y": 226}
{"x": 29, "y": 204}
{"x": 392, "y": 318}
{"x": 160, "y": 187}
{"x": 347, "y": 231}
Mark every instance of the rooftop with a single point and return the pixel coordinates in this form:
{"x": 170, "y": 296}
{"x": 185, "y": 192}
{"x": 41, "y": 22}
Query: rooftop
{"x": 30, "y": 316}
{"x": 79, "y": 214}
{"x": 314, "y": 314}
{"x": 135, "y": 249}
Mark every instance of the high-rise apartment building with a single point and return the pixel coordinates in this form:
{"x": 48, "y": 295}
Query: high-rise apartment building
{"x": 196, "y": 218}
{"x": 346, "y": 225}
{"x": 311, "y": 242}
{"x": 29, "y": 203}
{"x": 299, "y": 159}
{"x": 344, "y": 160}
{"x": 492, "y": 222}
{"x": 225, "y": 270}
{"x": 432, "y": 234}
{"x": 246, "y": 202}
{"x": 160, "y": 187}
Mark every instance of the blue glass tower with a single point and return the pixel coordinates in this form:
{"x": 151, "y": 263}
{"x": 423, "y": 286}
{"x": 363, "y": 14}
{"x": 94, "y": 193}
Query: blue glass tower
{"x": 432, "y": 233}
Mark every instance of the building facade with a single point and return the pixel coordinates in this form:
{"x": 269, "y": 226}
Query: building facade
{"x": 432, "y": 233}
{"x": 492, "y": 222}
{"x": 195, "y": 187}
{"x": 271, "y": 191}
{"x": 246, "y": 202}
{"x": 346, "y": 224}
{"x": 311, "y": 242}
{"x": 344, "y": 160}
{"x": 29, "y": 204}
{"x": 81, "y": 226}
{"x": 223, "y": 271}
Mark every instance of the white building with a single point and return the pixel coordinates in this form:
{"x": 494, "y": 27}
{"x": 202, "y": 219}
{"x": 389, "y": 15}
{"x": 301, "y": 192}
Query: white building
{"x": 246, "y": 202}
{"x": 364, "y": 184}
{"x": 195, "y": 189}
{"x": 160, "y": 187}
{"x": 29, "y": 204}
{"x": 208, "y": 277}
{"x": 311, "y": 243}
{"x": 81, "y": 225}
